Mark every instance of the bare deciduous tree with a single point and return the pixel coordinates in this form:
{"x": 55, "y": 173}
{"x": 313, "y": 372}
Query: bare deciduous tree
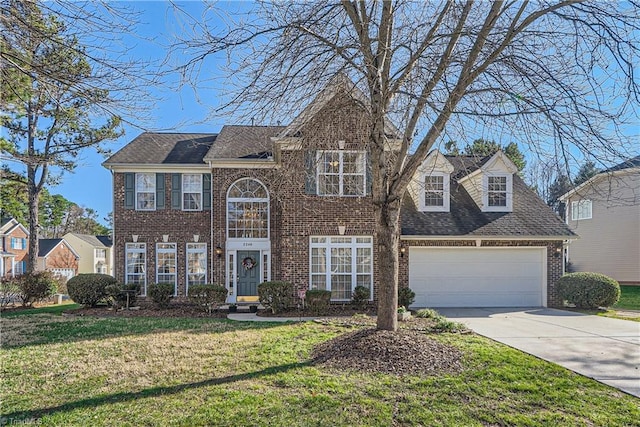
{"x": 555, "y": 76}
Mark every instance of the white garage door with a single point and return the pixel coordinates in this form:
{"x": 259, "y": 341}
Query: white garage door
{"x": 478, "y": 277}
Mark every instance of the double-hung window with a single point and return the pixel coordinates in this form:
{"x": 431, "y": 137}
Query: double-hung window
{"x": 136, "y": 265}
{"x": 341, "y": 173}
{"x": 145, "y": 191}
{"x": 18, "y": 243}
{"x": 436, "y": 192}
{"x": 101, "y": 253}
{"x": 196, "y": 264}
{"x": 339, "y": 264}
{"x": 166, "y": 264}
{"x": 192, "y": 191}
{"x": 497, "y": 193}
{"x": 581, "y": 209}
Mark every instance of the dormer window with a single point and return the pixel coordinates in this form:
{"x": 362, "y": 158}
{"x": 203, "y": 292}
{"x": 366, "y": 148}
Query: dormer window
{"x": 435, "y": 197}
{"x": 498, "y": 193}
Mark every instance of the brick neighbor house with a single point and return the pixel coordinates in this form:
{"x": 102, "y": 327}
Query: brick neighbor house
{"x": 258, "y": 203}
{"x": 14, "y": 247}
{"x": 58, "y": 257}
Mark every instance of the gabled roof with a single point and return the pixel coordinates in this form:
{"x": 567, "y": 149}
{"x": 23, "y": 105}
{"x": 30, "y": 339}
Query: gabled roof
{"x": 8, "y": 224}
{"x": 243, "y": 142}
{"x": 46, "y": 246}
{"x": 339, "y": 85}
{"x": 629, "y": 165}
{"x": 95, "y": 241}
{"x": 530, "y": 217}
{"x": 165, "y": 149}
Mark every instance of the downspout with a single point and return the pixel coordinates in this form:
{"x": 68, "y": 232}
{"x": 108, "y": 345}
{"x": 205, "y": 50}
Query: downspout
{"x": 211, "y": 247}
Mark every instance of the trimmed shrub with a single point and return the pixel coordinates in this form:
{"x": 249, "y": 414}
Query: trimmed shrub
{"x": 428, "y": 313}
{"x": 89, "y": 289}
{"x": 589, "y": 290}
{"x": 9, "y": 291}
{"x": 207, "y": 297}
{"x": 161, "y": 294}
{"x": 318, "y": 300}
{"x": 360, "y": 297}
{"x": 277, "y": 296}
{"x": 406, "y": 297}
{"x": 36, "y": 287}
{"x": 117, "y": 295}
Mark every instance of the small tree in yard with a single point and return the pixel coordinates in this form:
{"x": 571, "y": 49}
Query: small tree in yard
{"x": 556, "y": 77}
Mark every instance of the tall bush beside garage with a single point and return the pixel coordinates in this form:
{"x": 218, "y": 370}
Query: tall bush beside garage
{"x": 589, "y": 290}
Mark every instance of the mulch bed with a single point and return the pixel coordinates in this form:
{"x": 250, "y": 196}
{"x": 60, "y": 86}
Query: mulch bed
{"x": 176, "y": 310}
{"x": 336, "y": 310}
{"x": 404, "y": 352}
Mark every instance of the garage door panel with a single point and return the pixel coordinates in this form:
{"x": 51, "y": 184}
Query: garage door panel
{"x": 477, "y": 277}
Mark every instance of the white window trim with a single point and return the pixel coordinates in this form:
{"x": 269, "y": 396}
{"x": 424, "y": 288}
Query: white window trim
{"x": 191, "y": 192}
{"x": 327, "y": 244}
{"x": 173, "y": 251}
{"x": 249, "y": 199}
{"x": 485, "y": 193}
{"x": 446, "y": 194}
{"x": 190, "y": 249}
{"x": 143, "y": 250}
{"x": 319, "y": 155}
{"x": 578, "y": 207}
{"x": 153, "y": 192}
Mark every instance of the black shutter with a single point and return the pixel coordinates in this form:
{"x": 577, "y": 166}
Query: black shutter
{"x": 310, "y": 171}
{"x": 206, "y": 191}
{"x": 129, "y": 190}
{"x": 367, "y": 175}
{"x": 159, "y": 191}
{"x": 176, "y": 191}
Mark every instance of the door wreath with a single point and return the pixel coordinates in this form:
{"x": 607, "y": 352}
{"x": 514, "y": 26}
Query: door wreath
{"x": 248, "y": 263}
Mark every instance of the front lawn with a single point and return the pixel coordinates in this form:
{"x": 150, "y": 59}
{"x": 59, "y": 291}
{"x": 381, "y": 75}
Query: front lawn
{"x": 201, "y": 372}
{"x": 629, "y": 298}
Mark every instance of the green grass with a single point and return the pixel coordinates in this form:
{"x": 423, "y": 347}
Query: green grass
{"x": 200, "y": 372}
{"x": 629, "y": 298}
{"x": 49, "y": 309}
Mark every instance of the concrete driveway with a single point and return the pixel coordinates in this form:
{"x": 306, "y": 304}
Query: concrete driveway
{"x": 605, "y": 349}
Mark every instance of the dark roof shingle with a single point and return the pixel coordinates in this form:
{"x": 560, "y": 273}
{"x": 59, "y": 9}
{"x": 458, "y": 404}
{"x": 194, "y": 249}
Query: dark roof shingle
{"x": 165, "y": 148}
{"x": 243, "y": 142}
{"x": 530, "y": 216}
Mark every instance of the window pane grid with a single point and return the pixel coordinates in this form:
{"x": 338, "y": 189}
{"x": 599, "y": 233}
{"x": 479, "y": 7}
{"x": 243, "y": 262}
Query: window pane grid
{"x": 166, "y": 264}
{"x": 248, "y": 210}
{"x": 497, "y": 191}
{"x": 196, "y": 263}
{"x": 135, "y": 266}
{"x": 192, "y": 192}
{"x": 145, "y": 191}
{"x": 341, "y": 173}
{"x": 340, "y": 263}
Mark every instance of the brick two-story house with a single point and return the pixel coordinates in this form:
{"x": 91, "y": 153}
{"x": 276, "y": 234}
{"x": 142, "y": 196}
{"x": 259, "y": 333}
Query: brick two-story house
{"x": 257, "y": 203}
{"x": 14, "y": 247}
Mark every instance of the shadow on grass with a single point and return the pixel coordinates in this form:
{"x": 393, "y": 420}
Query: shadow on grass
{"x": 46, "y": 330}
{"x": 93, "y": 402}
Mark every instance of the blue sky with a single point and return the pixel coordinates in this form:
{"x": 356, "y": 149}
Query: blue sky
{"x": 90, "y": 184}
{"x": 179, "y": 110}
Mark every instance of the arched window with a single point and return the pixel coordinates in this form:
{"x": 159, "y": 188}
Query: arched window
{"x": 247, "y": 210}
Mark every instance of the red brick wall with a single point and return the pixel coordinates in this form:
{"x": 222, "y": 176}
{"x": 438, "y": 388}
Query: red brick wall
{"x": 20, "y": 254}
{"x": 61, "y": 257}
{"x": 554, "y": 262}
{"x": 150, "y": 226}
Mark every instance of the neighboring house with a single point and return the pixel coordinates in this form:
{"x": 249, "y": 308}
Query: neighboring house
{"x": 95, "y": 252}
{"x": 258, "y": 203}
{"x": 56, "y": 256}
{"x": 605, "y": 212}
{"x": 14, "y": 247}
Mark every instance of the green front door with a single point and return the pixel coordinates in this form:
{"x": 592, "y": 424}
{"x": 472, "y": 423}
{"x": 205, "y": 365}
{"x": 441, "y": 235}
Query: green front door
{"x": 248, "y": 269}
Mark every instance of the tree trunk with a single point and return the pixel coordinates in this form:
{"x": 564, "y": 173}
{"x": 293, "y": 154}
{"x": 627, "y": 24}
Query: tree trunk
{"x": 34, "y": 196}
{"x": 388, "y": 238}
